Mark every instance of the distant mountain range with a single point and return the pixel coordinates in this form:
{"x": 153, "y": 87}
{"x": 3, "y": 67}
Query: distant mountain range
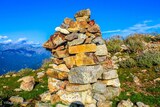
{"x": 17, "y": 55}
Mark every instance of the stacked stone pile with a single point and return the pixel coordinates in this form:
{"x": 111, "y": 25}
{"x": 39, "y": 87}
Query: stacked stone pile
{"x": 82, "y": 69}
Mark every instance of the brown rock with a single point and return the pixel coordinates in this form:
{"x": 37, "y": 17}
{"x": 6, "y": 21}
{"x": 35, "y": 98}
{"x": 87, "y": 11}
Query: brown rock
{"x": 59, "y": 48}
{"x": 55, "y": 40}
{"x": 57, "y": 74}
{"x": 83, "y": 24}
{"x": 71, "y": 36}
{"x": 82, "y": 48}
{"x": 27, "y": 83}
{"x": 57, "y": 61}
{"x": 61, "y": 54}
{"x": 83, "y": 15}
{"x": 76, "y": 87}
{"x": 88, "y": 40}
{"x": 55, "y": 99}
{"x": 82, "y": 59}
{"x": 61, "y": 67}
{"x": 70, "y": 61}
{"x": 108, "y": 64}
{"x": 94, "y": 29}
{"x": 67, "y": 21}
{"x": 91, "y": 23}
{"x": 55, "y": 85}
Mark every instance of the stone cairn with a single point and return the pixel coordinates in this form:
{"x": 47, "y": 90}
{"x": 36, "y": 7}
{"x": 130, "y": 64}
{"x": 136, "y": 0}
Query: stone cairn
{"x": 82, "y": 70}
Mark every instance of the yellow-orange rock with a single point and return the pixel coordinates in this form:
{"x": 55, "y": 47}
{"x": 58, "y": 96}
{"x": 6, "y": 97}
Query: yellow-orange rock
{"x": 61, "y": 54}
{"x": 57, "y": 61}
{"x": 67, "y": 21}
{"x": 61, "y": 67}
{"x": 70, "y": 61}
{"x": 82, "y": 48}
{"x": 82, "y": 59}
{"x": 77, "y": 87}
{"x": 57, "y": 74}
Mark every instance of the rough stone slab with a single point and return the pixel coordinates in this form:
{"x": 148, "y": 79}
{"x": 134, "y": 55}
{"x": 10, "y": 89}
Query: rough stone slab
{"x": 101, "y": 50}
{"x": 70, "y": 61}
{"x": 82, "y": 59}
{"x": 77, "y": 87}
{"x": 111, "y": 74}
{"x": 85, "y": 74}
{"x": 82, "y": 48}
{"x": 112, "y": 82}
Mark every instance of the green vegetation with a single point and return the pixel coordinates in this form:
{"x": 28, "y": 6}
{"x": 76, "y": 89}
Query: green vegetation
{"x": 114, "y": 45}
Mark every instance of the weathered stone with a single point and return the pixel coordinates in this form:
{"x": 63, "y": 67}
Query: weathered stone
{"x": 101, "y": 58}
{"x": 16, "y": 99}
{"x": 112, "y": 82}
{"x": 67, "y": 21}
{"x": 27, "y": 83}
{"x": 104, "y": 104}
{"x": 55, "y": 40}
{"x": 108, "y": 64}
{"x": 77, "y": 87}
{"x": 111, "y": 93}
{"x": 70, "y": 61}
{"x": 94, "y": 29}
{"x": 83, "y": 24}
{"x": 46, "y": 96}
{"x": 82, "y": 48}
{"x": 64, "y": 26}
{"x": 54, "y": 85}
{"x": 140, "y": 104}
{"x": 62, "y": 30}
{"x": 90, "y": 105}
{"x": 99, "y": 87}
{"x": 101, "y": 50}
{"x": 61, "y": 54}
{"x": 82, "y": 59}
{"x": 83, "y": 15}
{"x": 61, "y": 105}
{"x": 91, "y": 22}
{"x": 125, "y": 103}
{"x": 39, "y": 104}
{"x": 98, "y": 41}
{"x": 88, "y": 40}
{"x": 111, "y": 74}
{"x": 71, "y": 36}
{"x": 85, "y": 74}
{"x": 57, "y": 74}
{"x": 73, "y": 26}
{"x": 61, "y": 67}
{"x": 59, "y": 48}
{"x": 84, "y": 97}
{"x": 55, "y": 99}
{"x": 57, "y": 61}
{"x": 40, "y": 74}
{"x": 99, "y": 97}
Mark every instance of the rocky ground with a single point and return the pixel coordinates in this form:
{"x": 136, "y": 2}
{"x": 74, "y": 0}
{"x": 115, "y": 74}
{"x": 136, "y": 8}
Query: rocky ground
{"x": 88, "y": 71}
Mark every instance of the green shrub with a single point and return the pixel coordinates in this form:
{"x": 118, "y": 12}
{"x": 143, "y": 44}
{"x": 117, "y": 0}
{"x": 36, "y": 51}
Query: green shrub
{"x": 130, "y": 62}
{"x": 136, "y": 42}
{"x": 149, "y": 59}
{"x": 114, "y": 45}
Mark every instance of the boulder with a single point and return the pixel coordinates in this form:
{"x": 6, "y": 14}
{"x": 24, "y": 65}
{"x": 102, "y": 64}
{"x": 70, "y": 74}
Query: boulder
{"x": 93, "y": 29}
{"x": 85, "y": 74}
{"x": 27, "y": 83}
{"x": 99, "y": 87}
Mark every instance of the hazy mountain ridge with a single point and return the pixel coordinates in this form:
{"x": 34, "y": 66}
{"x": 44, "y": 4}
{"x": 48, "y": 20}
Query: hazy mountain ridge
{"x": 15, "y": 56}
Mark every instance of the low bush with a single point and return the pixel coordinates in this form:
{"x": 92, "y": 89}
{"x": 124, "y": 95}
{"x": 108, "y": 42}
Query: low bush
{"x": 130, "y": 62}
{"x": 114, "y": 44}
{"x": 149, "y": 59}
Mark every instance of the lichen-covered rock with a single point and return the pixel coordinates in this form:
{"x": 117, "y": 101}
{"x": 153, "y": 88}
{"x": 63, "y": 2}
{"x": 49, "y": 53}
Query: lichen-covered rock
{"x": 46, "y": 96}
{"x": 101, "y": 50}
{"x": 85, "y": 74}
{"x": 27, "y": 83}
{"x": 110, "y": 74}
{"x": 104, "y": 104}
{"x": 77, "y": 87}
{"x": 16, "y": 99}
{"x": 125, "y": 103}
{"x": 99, "y": 87}
{"x": 112, "y": 82}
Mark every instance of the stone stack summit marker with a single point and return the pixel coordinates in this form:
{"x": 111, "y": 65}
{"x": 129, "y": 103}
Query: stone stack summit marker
{"x": 82, "y": 69}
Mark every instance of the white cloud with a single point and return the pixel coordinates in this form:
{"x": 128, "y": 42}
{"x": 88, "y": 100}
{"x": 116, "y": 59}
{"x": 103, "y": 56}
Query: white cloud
{"x": 3, "y": 37}
{"x": 111, "y": 31}
{"x": 143, "y": 27}
{"x": 21, "y": 40}
{"x": 7, "y": 41}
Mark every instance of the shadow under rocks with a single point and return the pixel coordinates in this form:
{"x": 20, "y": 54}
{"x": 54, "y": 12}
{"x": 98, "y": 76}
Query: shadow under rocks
{"x": 76, "y": 104}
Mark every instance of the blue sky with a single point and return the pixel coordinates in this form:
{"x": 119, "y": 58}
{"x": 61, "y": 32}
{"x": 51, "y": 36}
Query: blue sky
{"x": 35, "y": 20}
